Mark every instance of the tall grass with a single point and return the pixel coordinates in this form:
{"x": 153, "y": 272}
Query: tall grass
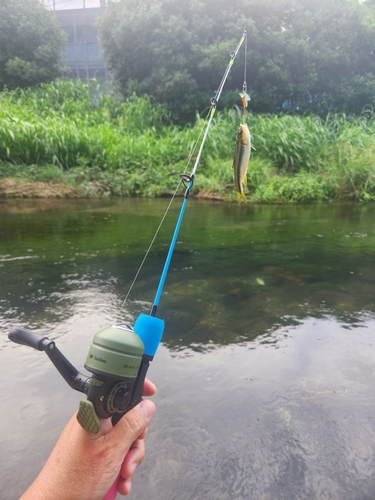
{"x": 132, "y": 147}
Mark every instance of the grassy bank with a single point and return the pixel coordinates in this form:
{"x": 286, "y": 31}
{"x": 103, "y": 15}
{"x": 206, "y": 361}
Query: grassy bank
{"x": 71, "y": 134}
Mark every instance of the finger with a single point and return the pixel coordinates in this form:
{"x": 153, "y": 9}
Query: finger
{"x": 124, "y": 486}
{"x": 130, "y": 427}
{"x": 149, "y": 389}
{"x": 134, "y": 457}
{"x": 144, "y": 434}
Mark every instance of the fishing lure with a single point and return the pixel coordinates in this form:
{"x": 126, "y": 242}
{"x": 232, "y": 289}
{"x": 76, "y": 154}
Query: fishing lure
{"x": 245, "y": 98}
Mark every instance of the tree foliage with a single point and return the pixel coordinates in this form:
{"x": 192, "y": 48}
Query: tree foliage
{"x": 31, "y": 43}
{"x": 303, "y": 55}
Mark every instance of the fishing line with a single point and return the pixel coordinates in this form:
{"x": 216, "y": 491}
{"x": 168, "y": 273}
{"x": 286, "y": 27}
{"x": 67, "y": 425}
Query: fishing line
{"x": 181, "y": 181}
{"x": 244, "y": 86}
{"x": 214, "y": 102}
{"x": 244, "y": 95}
{"x": 187, "y": 181}
{"x": 149, "y": 248}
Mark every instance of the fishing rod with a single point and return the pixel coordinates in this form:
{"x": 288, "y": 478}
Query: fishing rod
{"x": 188, "y": 180}
{"x": 120, "y": 355}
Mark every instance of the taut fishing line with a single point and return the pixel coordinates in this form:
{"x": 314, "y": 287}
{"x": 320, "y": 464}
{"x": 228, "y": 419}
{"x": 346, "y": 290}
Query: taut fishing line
{"x": 187, "y": 180}
{"x": 165, "y": 214}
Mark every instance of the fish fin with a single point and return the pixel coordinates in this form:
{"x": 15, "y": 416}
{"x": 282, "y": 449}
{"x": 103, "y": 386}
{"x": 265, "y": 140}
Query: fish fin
{"x": 252, "y": 147}
{"x": 241, "y": 197}
{"x": 244, "y": 181}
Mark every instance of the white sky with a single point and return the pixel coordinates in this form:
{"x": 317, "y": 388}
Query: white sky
{"x": 72, "y": 4}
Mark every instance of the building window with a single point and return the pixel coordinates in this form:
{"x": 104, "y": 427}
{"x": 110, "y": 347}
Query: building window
{"x": 82, "y": 51}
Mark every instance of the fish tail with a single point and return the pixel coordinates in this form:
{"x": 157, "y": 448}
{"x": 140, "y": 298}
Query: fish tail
{"x": 241, "y": 197}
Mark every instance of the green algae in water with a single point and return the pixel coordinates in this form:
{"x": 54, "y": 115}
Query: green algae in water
{"x": 237, "y": 272}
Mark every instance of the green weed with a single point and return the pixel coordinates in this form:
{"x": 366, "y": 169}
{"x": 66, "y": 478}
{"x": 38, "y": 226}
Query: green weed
{"x": 75, "y": 131}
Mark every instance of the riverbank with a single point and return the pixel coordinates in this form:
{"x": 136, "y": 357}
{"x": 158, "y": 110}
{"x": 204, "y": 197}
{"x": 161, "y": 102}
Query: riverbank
{"x": 50, "y": 181}
{"x": 22, "y": 188}
{"x": 79, "y": 142}
{"x": 17, "y": 188}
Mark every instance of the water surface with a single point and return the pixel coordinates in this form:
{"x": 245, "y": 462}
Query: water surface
{"x": 266, "y": 371}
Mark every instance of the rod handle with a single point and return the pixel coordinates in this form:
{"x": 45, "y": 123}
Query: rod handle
{"x": 25, "y": 337}
{"x": 112, "y": 493}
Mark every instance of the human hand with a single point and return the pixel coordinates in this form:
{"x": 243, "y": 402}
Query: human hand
{"x": 84, "y": 466}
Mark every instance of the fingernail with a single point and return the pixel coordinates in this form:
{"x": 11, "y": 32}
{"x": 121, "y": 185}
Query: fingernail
{"x": 147, "y": 407}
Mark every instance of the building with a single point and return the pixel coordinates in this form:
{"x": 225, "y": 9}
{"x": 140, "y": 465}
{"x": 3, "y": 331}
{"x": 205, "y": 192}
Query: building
{"x": 82, "y": 51}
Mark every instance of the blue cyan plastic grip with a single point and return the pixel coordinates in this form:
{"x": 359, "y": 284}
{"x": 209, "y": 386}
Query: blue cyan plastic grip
{"x": 150, "y": 330}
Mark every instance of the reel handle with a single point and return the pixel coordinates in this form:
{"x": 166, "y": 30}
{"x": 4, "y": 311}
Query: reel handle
{"x": 30, "y": 339}
{"x": 72, "y": 376}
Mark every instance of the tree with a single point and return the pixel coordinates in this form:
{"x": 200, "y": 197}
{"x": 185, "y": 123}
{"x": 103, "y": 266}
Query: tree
{"x": 303, "y": 55}
{"x": 330, "y": 57}
{"x": 31, "y": 43}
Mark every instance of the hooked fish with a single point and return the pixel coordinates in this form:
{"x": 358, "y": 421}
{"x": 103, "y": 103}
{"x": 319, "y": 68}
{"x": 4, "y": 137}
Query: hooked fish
{"x": 241, "y": 160}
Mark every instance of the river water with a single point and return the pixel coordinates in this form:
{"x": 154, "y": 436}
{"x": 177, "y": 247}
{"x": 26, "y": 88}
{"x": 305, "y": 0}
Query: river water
{"x": 266, "y": 371}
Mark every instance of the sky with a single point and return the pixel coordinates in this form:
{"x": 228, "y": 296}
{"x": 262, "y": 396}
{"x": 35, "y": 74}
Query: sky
{"x": 72, "y": 4}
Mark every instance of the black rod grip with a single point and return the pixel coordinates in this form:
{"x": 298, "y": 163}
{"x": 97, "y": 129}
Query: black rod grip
{"x": 25, "y": 337}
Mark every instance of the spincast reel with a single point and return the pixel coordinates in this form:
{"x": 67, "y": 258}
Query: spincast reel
{"x": 118, "y": 360}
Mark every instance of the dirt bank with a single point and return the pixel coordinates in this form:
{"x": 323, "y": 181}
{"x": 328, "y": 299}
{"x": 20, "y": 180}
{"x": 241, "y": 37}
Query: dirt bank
{"x": 56, "y": 188}
{"x": 18, "y": 188}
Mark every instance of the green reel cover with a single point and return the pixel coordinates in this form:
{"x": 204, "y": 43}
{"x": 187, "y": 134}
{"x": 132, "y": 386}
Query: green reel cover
{"x": 116, "y": 351}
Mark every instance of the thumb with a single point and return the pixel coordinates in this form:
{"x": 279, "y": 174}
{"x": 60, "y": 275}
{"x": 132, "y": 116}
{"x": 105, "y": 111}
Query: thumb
{"x": 131, "y": 426}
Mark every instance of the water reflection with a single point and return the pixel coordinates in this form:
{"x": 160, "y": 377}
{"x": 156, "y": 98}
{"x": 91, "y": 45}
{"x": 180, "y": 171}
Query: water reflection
{"x": 266, "y": 369}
